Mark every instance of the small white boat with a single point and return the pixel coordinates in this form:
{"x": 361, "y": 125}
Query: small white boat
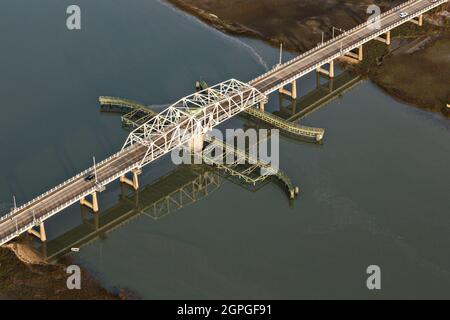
{"x": 75, "y": 249}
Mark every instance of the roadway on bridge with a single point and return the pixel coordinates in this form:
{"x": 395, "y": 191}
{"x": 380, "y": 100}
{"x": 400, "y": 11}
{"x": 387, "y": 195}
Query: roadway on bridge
{"x": 126, "y": 159}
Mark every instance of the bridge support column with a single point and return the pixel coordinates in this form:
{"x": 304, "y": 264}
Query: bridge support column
{"x": 196, "y": 143}
{"x": 293, "y": 93}
{"x": 40, "y": 233}
{"x": 387, "y": 38}
{"x": 133, "y": 183}
{"x": 91, "y": 205}
{"x": 357, "y": 56}
{"x": 329, "y": 72}
{"x": 418, "y": 21}
{"x": 262, "y": 104}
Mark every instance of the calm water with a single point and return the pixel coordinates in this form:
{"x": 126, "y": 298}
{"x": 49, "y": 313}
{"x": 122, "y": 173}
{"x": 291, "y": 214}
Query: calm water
{"x": 376, "y": 192}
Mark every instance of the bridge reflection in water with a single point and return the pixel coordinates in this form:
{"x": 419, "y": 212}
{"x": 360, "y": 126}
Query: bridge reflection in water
{"x": 322, "y": 95}
{"x": 180, "y": 188}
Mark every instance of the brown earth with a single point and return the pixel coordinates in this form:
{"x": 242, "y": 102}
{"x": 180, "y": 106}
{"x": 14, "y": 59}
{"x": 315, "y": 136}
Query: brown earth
{"x": 418, "y": 77}
{"x": 24, "y": 276}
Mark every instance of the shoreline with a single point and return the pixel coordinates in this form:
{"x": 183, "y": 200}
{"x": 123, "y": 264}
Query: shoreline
{"x": 217, "y": 23}
{"x": 236, "y": 29}
{"x": 25, "y": 276}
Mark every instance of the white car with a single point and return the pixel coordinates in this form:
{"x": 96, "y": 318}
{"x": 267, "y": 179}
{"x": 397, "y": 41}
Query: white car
{"x": 403, "y": 14}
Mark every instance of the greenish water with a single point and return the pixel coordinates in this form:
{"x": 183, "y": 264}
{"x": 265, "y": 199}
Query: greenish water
{"x": 376, "y": 191}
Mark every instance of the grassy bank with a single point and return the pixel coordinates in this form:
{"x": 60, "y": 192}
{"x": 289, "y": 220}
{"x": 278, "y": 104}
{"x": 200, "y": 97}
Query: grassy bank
{"x": 419, "y": 76}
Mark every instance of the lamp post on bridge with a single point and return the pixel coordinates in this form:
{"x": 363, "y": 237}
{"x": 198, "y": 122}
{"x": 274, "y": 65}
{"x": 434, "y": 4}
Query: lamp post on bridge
{"x": 281, "y": 54}
{"x": 338, "y": 29}
{"x": 95, "y": 170}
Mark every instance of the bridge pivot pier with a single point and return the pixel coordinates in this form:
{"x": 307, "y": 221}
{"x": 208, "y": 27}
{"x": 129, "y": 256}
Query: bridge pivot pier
{"x": 40, "y": 233}
{"x": 357, "y": 56}
{"x": 196, "y": 143}
{"x": 418, "y": 21}
{"x": 134, "y": 182}
{"x": 329, "y": 72}
{"x": 386, "y": 39}
{"x": 91, "y": 205}
{"x": 292, "y": 93}
{"x": 262, "y": 104}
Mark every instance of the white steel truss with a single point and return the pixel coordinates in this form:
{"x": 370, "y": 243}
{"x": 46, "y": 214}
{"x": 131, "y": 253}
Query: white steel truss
{"x": 193, "y": 116}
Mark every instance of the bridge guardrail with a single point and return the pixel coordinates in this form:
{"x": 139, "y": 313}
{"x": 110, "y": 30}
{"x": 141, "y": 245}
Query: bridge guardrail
{"x": 287, "y": 126}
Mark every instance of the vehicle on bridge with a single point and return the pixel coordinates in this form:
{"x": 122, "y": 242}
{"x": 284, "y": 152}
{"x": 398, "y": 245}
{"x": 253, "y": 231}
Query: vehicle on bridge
{"x": 89, "y": 177}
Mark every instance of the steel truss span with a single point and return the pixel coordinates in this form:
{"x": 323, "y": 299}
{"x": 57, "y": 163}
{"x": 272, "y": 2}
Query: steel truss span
{"x": 192, "y": 116}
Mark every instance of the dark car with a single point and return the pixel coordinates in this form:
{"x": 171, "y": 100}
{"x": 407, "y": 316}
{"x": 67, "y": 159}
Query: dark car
{"x": 89, "y": 177}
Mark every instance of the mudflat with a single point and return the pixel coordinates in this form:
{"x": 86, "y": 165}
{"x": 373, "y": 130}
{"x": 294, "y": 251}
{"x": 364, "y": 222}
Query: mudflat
{"x": 404, "y": 75}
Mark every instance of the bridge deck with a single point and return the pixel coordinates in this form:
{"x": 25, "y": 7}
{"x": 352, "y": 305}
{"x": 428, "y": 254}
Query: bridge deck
{"x": 69, "y": 192}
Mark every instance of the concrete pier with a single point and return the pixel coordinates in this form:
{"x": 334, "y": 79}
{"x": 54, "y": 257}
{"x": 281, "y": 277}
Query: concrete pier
{"x": 329, "y": 72}
{"x": 91, "y": 205}
{"x": 40, "y": 233}
{"x": 418, "y": 20}
{"x": 357, "y": 56}
{"x": 134, "y": 182}
{"x": 386, "y": 39}
{"x": 292, "y": 93}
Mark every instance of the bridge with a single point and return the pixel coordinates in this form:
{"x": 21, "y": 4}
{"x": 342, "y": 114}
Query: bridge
{"x": 247, "y": 172}
{"x": 191, "y": 117}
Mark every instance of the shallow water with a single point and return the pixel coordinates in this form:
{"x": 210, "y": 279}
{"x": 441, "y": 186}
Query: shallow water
{"x": 376, "y": 191}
